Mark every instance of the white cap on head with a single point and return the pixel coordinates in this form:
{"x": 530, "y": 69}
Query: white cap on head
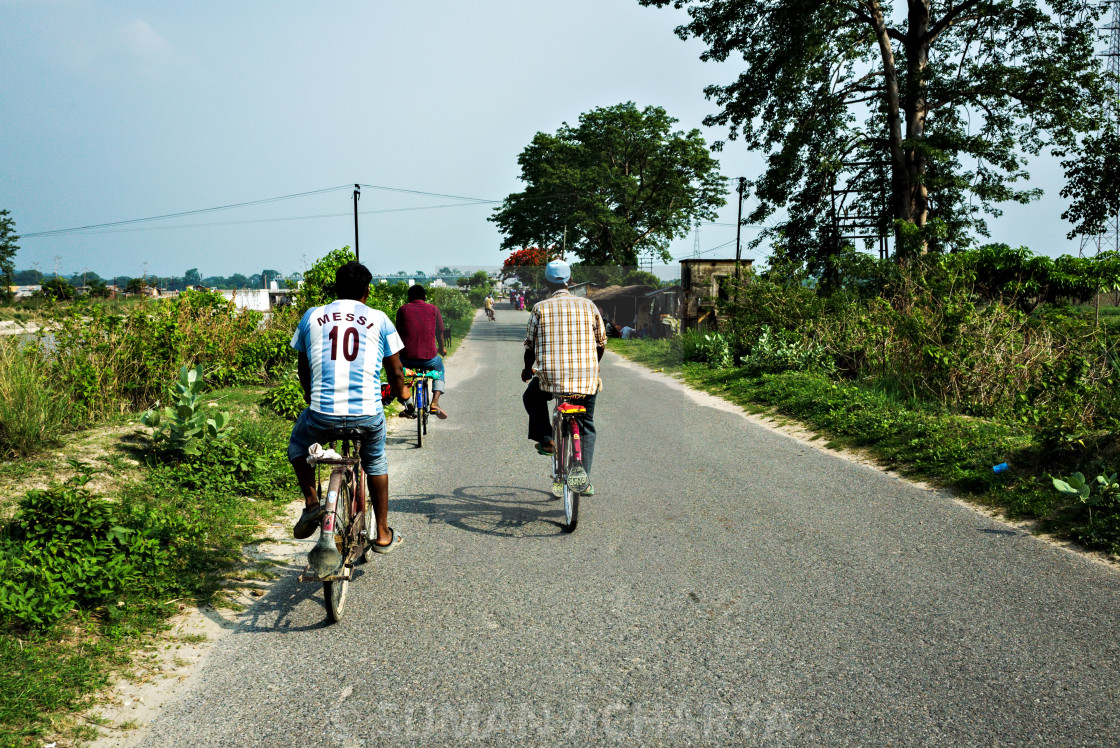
{"x": 557, "y": 271}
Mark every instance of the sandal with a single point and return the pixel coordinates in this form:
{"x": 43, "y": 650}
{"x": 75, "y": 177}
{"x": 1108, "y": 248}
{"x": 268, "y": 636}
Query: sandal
{"x": 438, "y": 412}
{"x": 392, "y": 546}
{"x": 546, "y": 448}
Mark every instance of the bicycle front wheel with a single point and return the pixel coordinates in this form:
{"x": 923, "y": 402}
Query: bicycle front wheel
{"x": 334, "y": 592}
{"x": 570, "y": 497}
{"x": 421, "y": 405}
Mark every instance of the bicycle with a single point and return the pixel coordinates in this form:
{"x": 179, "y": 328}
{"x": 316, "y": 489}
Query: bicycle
{"x": 420, "y": 380}
{"x": 346, "y": 533}
{"x": 569, "y": 479}
{"x": 490, "y": 314}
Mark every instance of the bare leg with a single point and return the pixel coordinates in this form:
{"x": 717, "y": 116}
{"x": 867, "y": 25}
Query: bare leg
{"x": 379, "y": 502}
{"x": 305, "y": 475}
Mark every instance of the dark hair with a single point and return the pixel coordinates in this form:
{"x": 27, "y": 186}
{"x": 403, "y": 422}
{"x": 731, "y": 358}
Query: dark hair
{"x": 417, "y": 291}
{"x": 351, "y": 281}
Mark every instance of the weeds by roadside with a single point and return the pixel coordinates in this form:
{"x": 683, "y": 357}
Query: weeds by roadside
{"x": 86, "y": 578}
{"x": 32, "y": 414}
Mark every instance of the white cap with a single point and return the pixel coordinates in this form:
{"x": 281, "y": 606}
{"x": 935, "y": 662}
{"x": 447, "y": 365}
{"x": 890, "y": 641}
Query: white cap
{"x": 557, "y": 271}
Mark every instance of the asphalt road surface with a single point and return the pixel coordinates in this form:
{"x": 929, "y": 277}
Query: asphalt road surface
{"x": 727, "y": 585}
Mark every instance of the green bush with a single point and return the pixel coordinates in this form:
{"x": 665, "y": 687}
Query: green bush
{"x": 784, "y": 350}
{"x": 33, "y": 412}
{"x": 66, "y": 548}
{"x": 477, "y": 296}
{"x": 286, "y": 398}
{"x": 118, "y": 363}
{"x": 453, "y": 305}
{"x": 706, "y": 347}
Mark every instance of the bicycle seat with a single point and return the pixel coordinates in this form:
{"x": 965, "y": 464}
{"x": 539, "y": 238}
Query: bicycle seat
{"x": 353, "y": 433}
{"x": 570, "y": 409}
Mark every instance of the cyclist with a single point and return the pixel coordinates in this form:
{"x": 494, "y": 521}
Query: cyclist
{"x": 342, "y": 347}
{"x": 565, "y": 339}
{"x": 421, "y": 329}
{"x": 489, "y": 304}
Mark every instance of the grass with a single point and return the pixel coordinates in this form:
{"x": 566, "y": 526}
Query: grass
{"x": 922, "y": 442}
{"x": 32, "y": 414}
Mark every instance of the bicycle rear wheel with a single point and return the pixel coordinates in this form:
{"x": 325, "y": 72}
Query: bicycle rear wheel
{"x": 427, "y": 403}
{"x": 571, "y": 499}
{"x": 334, "y": 592}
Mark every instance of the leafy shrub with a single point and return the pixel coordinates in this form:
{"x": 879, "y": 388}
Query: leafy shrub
{"x": 453, "y": 305}
{"x": 116, "y": 363}
{"x": 318, "y": 282}
{"x": 67, "y": 548}
{"x": 706, "y": 348}
{"x": 33, "y": 413}
{"x": 785, "y": 351}
{"x": 286, "y": 399}
{"x": 477, "y": 296}
{"x": 186, "y": 427}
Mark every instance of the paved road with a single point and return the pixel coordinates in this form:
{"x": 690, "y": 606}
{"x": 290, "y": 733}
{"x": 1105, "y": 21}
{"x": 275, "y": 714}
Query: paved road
{"x": 727, "y": 586}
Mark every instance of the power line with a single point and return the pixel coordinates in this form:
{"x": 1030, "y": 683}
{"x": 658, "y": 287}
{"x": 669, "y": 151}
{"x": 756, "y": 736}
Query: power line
{"x": 183, "y": 213}
{"x": 80, "y": 231}
{"x": 429, "y": 194}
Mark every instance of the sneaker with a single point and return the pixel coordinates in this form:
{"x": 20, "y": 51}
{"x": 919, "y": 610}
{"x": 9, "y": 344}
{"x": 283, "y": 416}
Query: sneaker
{"x": 308, "y": 521}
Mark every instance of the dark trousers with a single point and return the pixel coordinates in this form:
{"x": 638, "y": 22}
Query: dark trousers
{"x": 540, "y": 419}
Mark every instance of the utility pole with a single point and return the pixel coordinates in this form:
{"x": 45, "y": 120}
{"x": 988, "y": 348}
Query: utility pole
{"x": 739, "y": 225}
{"x": 357, "y": 196}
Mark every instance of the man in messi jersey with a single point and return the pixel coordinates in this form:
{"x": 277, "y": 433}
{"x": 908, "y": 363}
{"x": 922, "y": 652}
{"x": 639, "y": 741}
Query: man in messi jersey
{"x": 342, "y": 347}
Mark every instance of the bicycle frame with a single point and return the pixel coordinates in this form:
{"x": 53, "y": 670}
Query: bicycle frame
{"x": 349, "y": 469}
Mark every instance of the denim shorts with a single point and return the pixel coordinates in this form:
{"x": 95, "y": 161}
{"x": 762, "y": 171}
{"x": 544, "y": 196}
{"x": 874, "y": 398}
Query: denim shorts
{"x": 312, "y": 427}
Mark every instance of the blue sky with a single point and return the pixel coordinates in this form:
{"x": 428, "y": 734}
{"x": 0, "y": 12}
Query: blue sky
{"x": 111, "y": 112}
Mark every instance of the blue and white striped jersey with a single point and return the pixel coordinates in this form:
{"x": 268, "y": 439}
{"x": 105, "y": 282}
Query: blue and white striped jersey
{"x": 345, "y": 343}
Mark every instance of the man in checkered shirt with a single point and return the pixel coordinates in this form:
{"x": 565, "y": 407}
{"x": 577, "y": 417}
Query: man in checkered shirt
{"x": 564, "y": 343}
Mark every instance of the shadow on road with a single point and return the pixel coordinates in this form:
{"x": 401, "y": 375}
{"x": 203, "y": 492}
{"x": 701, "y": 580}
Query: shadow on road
{"x": 274, "y": 612}
{"x": 505, "y": 511}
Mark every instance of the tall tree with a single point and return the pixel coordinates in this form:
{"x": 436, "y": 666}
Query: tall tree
{"x": 192, "y": 278}
{"x": 619, "y": 184}
{"x": 934, "y": 102}
{"x": 8, "y": 249}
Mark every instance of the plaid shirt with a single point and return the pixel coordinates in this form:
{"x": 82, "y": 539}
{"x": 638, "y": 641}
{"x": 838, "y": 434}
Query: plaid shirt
{"x": 564, "y": 334}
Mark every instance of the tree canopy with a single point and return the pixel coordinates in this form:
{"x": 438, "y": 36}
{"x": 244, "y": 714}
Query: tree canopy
{"x": 1093, "y": 185}
{"x": 619, "y": 184}
{"x": 8, "y": 249}
{"x": 924, "y": 109}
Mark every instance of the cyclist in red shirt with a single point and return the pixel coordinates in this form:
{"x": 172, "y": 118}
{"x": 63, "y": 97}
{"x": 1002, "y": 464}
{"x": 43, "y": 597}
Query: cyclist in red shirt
{"x": 420, "y": 326}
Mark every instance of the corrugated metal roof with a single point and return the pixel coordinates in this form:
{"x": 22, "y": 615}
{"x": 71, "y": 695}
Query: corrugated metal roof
{"x": 613, "y": 292}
